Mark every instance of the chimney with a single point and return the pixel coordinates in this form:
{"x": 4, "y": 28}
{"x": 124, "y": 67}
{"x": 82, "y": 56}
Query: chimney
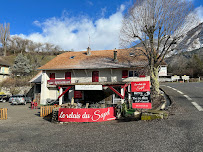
{"x": 88, "y": 51}
{"x": 115, "y": 56}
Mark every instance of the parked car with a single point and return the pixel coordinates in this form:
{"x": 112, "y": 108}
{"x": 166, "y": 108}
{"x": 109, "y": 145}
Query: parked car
{"x": 19, "y": 99}
{"x": 4, "y": 98}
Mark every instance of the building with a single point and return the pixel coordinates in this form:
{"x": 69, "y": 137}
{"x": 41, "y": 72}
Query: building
{"x": 4, "y": 69}
{"x": 91, "y": 76}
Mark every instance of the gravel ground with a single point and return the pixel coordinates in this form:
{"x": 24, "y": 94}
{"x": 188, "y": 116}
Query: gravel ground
{"x": 26, "y": 131}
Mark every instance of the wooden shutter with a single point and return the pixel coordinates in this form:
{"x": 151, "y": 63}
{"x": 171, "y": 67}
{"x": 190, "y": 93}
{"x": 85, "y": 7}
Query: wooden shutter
{"x": 124, "y": 73}
{"x": 68, "y": 75}
{"x": 52, "y": 76}
{"x": 95, "y": 76}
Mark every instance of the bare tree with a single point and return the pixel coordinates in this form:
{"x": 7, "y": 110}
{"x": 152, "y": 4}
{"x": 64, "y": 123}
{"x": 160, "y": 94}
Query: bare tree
{"x": 4, "y": 35}
{"x": 158, "y": 25}
{"x": 18, "y": 44}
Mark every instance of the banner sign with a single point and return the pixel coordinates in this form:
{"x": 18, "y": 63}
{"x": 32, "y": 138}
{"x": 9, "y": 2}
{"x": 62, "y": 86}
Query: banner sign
{"x": 59, "y": 82}
{"x": 86, "y": 114}
{"x": 140, "y": 86}
{"x": 141, "y": 100}
{"x": 88, "y": 87}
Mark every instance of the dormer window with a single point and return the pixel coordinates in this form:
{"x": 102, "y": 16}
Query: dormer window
{"x": 132, "y": 54}
{"x": 72, "y": 57}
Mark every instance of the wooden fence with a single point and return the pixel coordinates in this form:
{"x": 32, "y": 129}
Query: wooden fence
{"x": 3, "y": 113}
{"x": 46, "y": 110}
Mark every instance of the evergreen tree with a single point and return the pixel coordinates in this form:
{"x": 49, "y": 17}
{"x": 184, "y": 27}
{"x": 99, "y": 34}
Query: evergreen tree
{"x": 21, "y": 66}
{"x": 196, "y": 65}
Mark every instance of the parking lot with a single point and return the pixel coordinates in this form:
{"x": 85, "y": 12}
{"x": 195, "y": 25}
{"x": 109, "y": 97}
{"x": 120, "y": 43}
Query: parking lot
{"x": 25, "y": 131}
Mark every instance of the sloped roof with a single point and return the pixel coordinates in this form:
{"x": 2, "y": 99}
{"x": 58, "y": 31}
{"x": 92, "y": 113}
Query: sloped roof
{"x": 37, "y": 78}
{"x": 4, "y": 62}
{"x": 97, "y": 59}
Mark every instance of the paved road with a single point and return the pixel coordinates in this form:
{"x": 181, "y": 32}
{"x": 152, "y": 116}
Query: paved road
{"x": 182, "y": 132}
{"x": 192, "y": 91}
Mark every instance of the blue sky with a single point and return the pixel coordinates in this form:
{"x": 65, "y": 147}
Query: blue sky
{"x": 69, "y": 23}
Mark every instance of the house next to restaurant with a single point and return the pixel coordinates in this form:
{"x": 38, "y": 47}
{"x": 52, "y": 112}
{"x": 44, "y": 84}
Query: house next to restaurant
{"x": 91, "y": 76}
{"x": 4, "y": 69}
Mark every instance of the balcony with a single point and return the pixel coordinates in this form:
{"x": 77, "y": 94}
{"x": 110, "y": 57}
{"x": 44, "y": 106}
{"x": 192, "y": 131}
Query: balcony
{"x": 59, "y": 82}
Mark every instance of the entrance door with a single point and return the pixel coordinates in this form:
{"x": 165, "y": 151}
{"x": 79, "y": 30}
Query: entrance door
{"x": 95, "y": 76}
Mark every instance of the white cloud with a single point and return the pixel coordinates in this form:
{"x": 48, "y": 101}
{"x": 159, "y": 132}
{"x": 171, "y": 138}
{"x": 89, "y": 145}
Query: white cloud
{"x": 73, "y": 33}
{"x": 199, "y": 12}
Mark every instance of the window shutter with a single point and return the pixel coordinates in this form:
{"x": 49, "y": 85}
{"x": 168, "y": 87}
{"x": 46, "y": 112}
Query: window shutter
{"x": 95, "y": 76}
{"x": 124, "y": 73}
{"x": 68, "y": 75}
{"x": 52, "y": 76}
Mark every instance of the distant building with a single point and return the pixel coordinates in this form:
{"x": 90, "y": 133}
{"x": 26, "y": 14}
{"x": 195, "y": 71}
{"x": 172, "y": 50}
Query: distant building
{"x": 163, "y": 71}
{"x": 4, "y": 69}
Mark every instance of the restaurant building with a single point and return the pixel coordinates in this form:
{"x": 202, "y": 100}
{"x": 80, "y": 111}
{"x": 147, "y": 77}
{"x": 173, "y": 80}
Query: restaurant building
{"x": 102, "y": 76}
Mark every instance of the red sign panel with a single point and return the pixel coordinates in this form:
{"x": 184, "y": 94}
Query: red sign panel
{"x": 78, "y": 94}
{"x": 86, "y": 114}
{"x": 141, "y": 86}
{"x": 142, "y": 105}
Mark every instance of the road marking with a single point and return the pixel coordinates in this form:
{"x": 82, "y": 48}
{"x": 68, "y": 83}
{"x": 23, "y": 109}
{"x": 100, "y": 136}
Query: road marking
{"x": 180, "y": 92}
{"x": 187, "y": 97}
{"x": 197, "y": 106}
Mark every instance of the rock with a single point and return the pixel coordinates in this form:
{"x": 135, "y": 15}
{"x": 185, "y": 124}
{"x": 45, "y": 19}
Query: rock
{"x": 137, "y": 114}
{"x": 150, "y": 116}
{"x": 163, "y": 106}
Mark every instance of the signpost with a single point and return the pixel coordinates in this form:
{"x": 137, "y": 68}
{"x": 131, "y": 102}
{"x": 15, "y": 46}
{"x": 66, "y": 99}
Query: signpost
{"x": 141, "y": 95}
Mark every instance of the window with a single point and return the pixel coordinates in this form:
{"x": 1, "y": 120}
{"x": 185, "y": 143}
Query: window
{"x": 52, "y": 76}
{"x": 95, "y": 76}
{"x": 72, "y": 57}
{"x": 130, "y": 73}
{"x": 133, "y": 74}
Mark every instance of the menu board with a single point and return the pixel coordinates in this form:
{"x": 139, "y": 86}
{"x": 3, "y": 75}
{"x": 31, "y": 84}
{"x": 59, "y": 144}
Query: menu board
{"x": 141, "y": 100}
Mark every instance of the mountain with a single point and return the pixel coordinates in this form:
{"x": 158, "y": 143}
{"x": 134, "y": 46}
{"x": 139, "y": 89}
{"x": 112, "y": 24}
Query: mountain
{"x": 183, "y": 57}
{"x": 192, "y": 40}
